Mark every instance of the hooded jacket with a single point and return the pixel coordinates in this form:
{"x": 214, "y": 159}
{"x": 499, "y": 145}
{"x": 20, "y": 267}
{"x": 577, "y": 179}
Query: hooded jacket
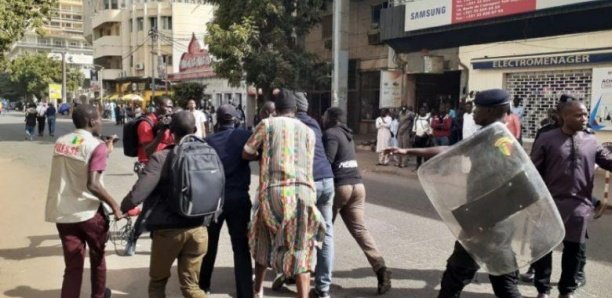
{"x": 340, "y": 151}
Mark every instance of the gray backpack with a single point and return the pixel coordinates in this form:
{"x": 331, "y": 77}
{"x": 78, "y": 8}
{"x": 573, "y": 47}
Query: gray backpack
{"x": 198, "y": 180}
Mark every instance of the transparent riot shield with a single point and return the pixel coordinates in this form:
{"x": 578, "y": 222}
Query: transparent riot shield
{"x": 492, "y": 198}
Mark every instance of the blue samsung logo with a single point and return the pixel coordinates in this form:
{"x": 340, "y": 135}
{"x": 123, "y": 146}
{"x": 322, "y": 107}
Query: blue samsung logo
{"x": 426, "y": 13}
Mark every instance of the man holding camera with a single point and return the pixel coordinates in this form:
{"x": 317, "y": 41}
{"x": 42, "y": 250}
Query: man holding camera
{"x": 174, "y": 237}
{"x": 153, "y": 136}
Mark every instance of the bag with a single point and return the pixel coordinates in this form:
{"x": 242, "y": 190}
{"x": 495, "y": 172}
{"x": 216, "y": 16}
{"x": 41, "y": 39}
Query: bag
{"x": 198, "y": 179}
{"x": 130, "y": 136}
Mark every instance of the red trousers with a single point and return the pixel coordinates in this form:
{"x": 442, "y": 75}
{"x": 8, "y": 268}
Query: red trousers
{"x": 75, "y": 236}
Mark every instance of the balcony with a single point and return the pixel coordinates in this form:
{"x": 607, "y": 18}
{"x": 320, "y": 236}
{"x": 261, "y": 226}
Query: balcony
{"x": 106, "y": 16}
{"x": 107, "y": 46}
{"x": 111, "y": 74}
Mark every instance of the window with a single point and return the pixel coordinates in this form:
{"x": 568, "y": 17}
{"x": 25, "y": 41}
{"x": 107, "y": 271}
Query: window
{"x": 43, "y": 41}
{"x": 167, "y": 60}
{"x": 153, "y": 22}
{"x": 376, "y": 14}
{"x": 140, "y": 24}
{"x": 326, "y": 26}
{"x": 55, "y": 24}
{"x": 58, "y": 43}
{"x": 74, "y": 44}
{"x": 130, "y": 25}
{"x": 166, "y": 23}
{"x": 131, "y": 61}
{"x": 114, "y": 4}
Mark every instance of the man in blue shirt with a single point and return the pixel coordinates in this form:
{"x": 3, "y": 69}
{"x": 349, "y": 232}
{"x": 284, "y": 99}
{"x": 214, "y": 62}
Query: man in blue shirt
{"x": 228, "y": 141}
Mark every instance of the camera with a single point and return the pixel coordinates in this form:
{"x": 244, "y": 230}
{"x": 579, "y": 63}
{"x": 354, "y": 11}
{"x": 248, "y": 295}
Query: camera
{"x": 164, "y": 122}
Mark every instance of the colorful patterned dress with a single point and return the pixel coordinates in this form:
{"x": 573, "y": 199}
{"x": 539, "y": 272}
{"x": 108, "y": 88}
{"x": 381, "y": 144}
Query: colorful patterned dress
{"x": 287, "y": 225}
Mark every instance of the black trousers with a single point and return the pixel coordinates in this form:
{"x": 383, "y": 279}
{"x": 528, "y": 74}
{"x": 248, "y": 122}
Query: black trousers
{"x": 421, "y": 142}
{"x": 237, "y": 213}
{"x": 572, "y": 260}
{"x": 460, "y": 271}
{"x": 41, "y": 125}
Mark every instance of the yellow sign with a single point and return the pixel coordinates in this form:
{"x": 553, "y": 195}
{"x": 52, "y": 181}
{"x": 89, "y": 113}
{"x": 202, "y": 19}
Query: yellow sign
{"x": 55, "y": 91}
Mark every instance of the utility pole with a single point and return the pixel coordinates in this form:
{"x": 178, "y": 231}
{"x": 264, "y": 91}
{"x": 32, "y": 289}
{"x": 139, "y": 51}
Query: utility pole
{"x": 340, "y": 53}
{"x": 153, "y": 34}
{"x": 64, "y": 98}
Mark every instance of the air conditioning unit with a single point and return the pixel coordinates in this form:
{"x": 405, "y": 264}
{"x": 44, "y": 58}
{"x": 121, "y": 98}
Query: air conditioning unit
{"x": 139, "y": 66}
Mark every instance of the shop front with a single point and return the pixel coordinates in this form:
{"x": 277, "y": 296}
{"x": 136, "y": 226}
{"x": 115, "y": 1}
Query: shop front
{"x": 539, "y": 71}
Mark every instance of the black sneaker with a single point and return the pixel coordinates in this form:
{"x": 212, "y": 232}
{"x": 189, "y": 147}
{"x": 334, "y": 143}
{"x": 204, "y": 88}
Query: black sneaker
{"x": 580, "y": 280}
{"x": 314, "y": 293}
{"x": 107, "y": 293}
{"x": 384, "y": 280}
{"x": 278, "y": 283}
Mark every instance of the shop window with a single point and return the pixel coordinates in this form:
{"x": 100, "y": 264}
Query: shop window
{"x": 376, "y": 14}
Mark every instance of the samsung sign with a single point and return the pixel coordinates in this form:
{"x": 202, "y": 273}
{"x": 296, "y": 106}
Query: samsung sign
{"x": 423, "y": 14}
{"x": 542, "y": 61}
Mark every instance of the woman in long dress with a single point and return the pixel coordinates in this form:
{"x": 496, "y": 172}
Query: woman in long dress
{"x": 383, "y": 125}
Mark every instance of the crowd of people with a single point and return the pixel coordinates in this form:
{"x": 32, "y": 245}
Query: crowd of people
{"x": 41, "y": 114}
{"x": 308, "y": 175}
{"x": 432, "y": 127}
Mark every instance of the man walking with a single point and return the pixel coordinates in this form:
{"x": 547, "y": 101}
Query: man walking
{"x": 287, "y": 224}
{"x": 153, "y": 136}
{"x": 566, "y": 159}
{"x": 350, "y": 192}
{"x": 174, "y": 237}
{"x": 41, "y": 114}
{"x": 228, "y": 141}
{"x": 491, "y": 106}
{"x": 77, "y": 201}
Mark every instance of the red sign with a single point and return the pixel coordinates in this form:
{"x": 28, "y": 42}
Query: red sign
{"x": 474, "y": 10}
{"x": 195, "y": 58}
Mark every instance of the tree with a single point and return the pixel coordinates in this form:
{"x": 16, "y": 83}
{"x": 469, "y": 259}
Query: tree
{"x": 32, "y": 74}
{"x": 17, "y": 16}
{"x": 183, "y": 92}
{"x": 264, "y": 40}
{"x": 74, "y": 79}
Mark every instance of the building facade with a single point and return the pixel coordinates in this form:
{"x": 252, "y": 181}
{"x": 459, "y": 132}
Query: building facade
{"x": 458, "y": 48}
{"x": 368, "y": 57}
{"x": 141, "y": 39}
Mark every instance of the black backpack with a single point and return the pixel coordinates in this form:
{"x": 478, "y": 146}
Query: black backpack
{"x": 130, "y": 135}
{"x": 198, "y": 180}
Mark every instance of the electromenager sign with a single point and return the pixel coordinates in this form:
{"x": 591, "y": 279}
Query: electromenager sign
{"x": 423, "y": 14}
{"x": 542, "y": 61}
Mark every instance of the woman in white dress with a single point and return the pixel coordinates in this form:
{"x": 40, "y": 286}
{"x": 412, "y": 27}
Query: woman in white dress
{"x": 383, "y": 125}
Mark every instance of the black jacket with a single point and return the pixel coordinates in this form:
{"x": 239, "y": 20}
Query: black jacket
{"x": 340, "y": 151}
{"x": 153, "y": 188}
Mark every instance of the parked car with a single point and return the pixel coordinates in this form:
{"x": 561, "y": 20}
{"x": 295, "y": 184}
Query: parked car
{"x": 64, "y": 109}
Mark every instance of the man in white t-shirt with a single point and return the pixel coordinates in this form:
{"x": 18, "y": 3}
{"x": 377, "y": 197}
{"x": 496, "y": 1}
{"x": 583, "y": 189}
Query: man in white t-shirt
{"x": 469, "y": 126}
{"x": 200, "y": 118}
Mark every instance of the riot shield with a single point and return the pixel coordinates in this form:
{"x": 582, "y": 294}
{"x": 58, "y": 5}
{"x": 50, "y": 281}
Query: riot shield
{"x": 492, "y": 198}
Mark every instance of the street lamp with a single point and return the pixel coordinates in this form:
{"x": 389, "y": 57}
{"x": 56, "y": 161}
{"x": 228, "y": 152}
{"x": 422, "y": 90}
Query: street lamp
{"x": 100, "y": 79}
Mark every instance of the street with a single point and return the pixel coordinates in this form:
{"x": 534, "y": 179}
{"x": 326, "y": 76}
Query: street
{"x": 408, "y": 231}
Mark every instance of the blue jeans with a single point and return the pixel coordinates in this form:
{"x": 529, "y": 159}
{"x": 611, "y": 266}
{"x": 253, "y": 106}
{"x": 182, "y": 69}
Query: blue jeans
{"x": 51, "y": 122}
{"x": 441, "y": 141}
{"x": 325, "y": 255}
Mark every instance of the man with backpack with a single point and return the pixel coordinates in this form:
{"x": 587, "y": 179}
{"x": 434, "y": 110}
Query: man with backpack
{"x": 228, "y": 142}
{"x": 141, "y": 138}
{"x": 177, "y": 233}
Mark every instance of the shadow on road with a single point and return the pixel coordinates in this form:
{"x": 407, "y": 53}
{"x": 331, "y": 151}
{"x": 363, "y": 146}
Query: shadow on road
{"x": 29, "y": 292}
{"x": 34, "y": 250}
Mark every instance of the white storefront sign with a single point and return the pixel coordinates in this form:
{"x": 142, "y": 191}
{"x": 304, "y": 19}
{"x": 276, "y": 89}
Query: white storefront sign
{"x": 390, "y": 88}
{"x": 601, "y": 99}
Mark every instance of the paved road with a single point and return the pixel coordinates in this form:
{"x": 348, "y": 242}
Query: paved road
{"x": 413, "y": 240}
